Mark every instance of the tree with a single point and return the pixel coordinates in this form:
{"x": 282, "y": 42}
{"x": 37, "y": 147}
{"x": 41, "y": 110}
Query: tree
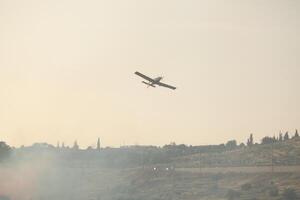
{"x": 296, "y": 134}
{"x": 286, "y": 136}
{"x": 268, "y": 140}
{"x": 5, "y": 150}
{"x": 231, "y": 144}
{"x": 40, "y": 146}
{"x": 89, "y": 148}
{"x": 75, "y": 146}
{"x": 250, "y": 140}
{"x": 280, "y": 137}
{"x": 98, "y": 144}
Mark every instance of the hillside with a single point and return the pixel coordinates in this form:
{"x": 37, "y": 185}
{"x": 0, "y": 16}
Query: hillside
{"x": 284, "y": 153}
{"x": 240, "y": 173}
{"x": 183, "y": 185}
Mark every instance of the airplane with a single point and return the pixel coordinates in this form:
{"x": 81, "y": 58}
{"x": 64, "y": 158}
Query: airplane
{"x": 155, "y": 81}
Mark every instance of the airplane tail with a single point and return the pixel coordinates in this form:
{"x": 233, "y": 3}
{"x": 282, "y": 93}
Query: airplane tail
{"x": 148, "y": 84}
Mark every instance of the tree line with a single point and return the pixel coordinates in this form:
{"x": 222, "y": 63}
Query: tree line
{"x": 279, "y": 138}
{"x": 136, "y": 155}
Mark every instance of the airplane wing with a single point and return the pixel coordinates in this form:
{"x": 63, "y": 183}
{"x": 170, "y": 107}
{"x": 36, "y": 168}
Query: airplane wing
{"x": 144, "y": 76}
{"x": 165, "y": 85}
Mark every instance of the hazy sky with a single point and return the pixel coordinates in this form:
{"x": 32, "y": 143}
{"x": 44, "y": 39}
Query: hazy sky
{"x": 66, "y": 70}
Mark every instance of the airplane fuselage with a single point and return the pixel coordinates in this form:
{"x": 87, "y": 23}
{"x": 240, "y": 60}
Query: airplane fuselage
{"x": 156, "y": 80}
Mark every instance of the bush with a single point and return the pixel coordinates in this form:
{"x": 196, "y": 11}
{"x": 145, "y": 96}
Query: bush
{"x": 246, "y": 186}
{"x": 289, "y": 194}
{"x": 217, "y": 177}
{"x": 273, "y": 192}
{"x": 232, "y": 194}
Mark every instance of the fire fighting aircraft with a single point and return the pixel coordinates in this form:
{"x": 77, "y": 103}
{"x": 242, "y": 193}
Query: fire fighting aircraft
{"x": 154, "y": 81}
